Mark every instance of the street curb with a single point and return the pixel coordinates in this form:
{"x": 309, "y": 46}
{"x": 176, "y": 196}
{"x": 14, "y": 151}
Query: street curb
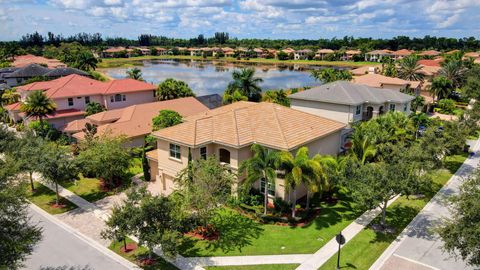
{"x": 107, "y": 252}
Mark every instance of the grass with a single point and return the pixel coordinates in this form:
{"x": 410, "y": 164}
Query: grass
{"x": 275, "y": 239}
{"x": 44, "y": 197}
{"x": 136, "y": 61}
{"x": 139, "y": 253}
{"x": 255, "y": 267}
{"x": 367, "y": 246}
{"x": 135, "y": 166}
{"x": 87, "y": 188}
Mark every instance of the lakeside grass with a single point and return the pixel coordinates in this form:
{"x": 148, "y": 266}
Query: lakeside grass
{"x": 255, "y": 267}
{"x": 139, "y": 253}
{"x": 137, "y": 61}
{"x": 367, "y": 246}
{"x": 44, "y": 197}
{"x": 277, "y": 240}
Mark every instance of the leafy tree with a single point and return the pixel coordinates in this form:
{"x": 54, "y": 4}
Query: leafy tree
{"x": 417, "y": 103}
{"x": 471, "y": 89}
{"x": 454, "y": 71}
{"x": 7, "y": 140}
{"x": 282, "y": 55}
{"x": 300, "y": 169}
{"x": 233, "y": 97}
{"x": 246, "y": 83}
{"x": 332, "y": 169}
{"x": 166, "y": 118}
{"x": 328, "y": 75}
{"x": 461, "y": 232}
{"x": 18, "y": 235}
{"x": 29, "y": 149}
{"x": 90, "y": 131}
{"x": 10, "y": 96}
{"x": 279, "y": 97}
{"x": 106, "y": 158}
{"x": 261, "y": 166}
{"x": 135, "y": 73}
{"x": 172, "y": 89}
{"x": 388, "y": 67}
{"x": 447, "y": 105}
{"x": 38, "y": 105}
{"x": 441, "y": 87}
{"x": 145, "y": 165}
{"x": 93, "y": 108}
{"x": 85, "y": 60}
{"x": 409, "y": 69}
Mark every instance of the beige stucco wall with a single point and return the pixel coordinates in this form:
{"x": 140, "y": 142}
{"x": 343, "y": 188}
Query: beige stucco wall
{"x": 78, "y": 102}
{"x": 337, "y": 112}
{"x": 131, "y": 99}
{"x": 394, "y": 86}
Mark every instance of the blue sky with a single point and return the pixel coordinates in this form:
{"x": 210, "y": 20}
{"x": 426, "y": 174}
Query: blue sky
{"x": 295, "y": 19}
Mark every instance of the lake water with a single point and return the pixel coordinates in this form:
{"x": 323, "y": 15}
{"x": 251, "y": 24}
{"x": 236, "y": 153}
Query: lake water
{"x": 212, "y": 77}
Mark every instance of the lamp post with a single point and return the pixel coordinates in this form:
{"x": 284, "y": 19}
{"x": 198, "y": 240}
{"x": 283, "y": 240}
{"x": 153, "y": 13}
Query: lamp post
{"x": 340, "y": 240}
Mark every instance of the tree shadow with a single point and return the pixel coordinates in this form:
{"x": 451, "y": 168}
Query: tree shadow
{"x": 398, "y": 217}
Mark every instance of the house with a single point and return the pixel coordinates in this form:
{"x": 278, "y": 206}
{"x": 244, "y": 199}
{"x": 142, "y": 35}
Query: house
{"x": 378, "y": 55}
{"x": 20, "y": 75}
{"x": 320, "y": 54}
{"x": 380, "y": 81}
{"x": 195, "y": 51}
{"x": 429, "y": 53}
{"x": 112, "y": 52}
{"x": 365, "y": 70}
{"x": 72, "y": 93}
{"x": 229, "y": 132}
{"x": 430, "y": 62}
{"x": 228, "y": 52}
{"x": 28, "y": 59}
{"x": 473, "y": 55}
{"x": 349, "y": 54}
{"x": 302, "y": 54}
{"x": 288, "y": 51}
{"x": 3, "y": 72}
{"x": 400, "y": 54}
{"x": 348, "y": 102}
{"x": 161, "y": 51}
{"x": 133, "y": 122}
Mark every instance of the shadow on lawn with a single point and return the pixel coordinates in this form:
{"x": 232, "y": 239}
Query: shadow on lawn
{"x": 398, "y": 217}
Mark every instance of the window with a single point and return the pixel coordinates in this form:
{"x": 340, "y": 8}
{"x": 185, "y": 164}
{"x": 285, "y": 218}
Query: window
{"x": 124, "y": 97}
{"x": 392, "y": 107}
{"x": 224, "y": 156}
{"x": 203, "y": 153}
{"x": 111, "y": 99}
{"x": 154, "y": 93}
{"x": 175, "y": 151}
{"x": 405, "y": 107}
{"x": 358, "y": 109}
{"x": 87, "y": 100}
{"x": 118, "y": 98}
{"x": 70, "y": 102}
{"x": 271, "y": 187}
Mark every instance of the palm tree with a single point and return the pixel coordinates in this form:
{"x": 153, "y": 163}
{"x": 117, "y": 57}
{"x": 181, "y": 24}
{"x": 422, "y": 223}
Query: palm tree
{"x": 234, "y": 97}
{"x": 441, "y": 87}
{"x": 362, "y": 147}
{"x": 246, "y": 83}
{"x": 262, "y": 166}
{"x": 453, "y": 71}
{"x": 10, "y": 96}
{"x": 38, "y": 105}
{"x": 409, "y": 68}
{"x": 300, "y": 169}
{"x": 135, "y": 73}
{"x": 332, "y": 168}
{"x": 93, "y": 108}
{"x": 86, "y": 61}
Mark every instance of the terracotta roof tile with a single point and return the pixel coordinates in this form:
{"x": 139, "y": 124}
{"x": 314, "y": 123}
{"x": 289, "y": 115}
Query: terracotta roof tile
{"x": 377, "y": 80}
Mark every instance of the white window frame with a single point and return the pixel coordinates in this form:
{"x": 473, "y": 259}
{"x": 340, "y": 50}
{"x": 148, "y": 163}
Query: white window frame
{"x": 70, "y": 102}
{"x": 358, "y": 110}
{"x": 405, "y": 107}
{"x": 392, "y": 107}
{"x": 175, "y": 151}
{"x": 271, "y": 188}
{"x": 203, "y": 155}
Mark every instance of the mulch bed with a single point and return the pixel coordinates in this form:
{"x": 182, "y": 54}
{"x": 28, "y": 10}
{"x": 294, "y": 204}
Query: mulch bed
{"x": 146, "y": 262}
{"x": 59, "y": 206}
{"x": 201, "y": 234}
{"x": 130, "y": 247}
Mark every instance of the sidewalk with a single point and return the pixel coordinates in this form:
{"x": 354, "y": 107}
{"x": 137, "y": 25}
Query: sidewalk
{"x": 417, "y": 247}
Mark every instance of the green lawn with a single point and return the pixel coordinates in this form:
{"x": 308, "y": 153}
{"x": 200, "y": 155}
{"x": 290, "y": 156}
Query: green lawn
{"x": 255, "y": 267}
{"x": 135, "y": 166}
{"x": 365, "y": 248}
{"x": 87, "y": 188}
{"x": 43, "y": 197}
{"x": 275, "y": 239}
{"x": 132, "y": 61}
{"x": 139, "y": 253}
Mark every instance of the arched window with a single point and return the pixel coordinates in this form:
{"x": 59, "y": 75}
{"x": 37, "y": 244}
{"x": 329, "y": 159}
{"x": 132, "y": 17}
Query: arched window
{"x": 224, "y": 156}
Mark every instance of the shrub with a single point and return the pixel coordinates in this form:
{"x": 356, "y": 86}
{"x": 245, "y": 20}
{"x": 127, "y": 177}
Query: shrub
{"x": 446, "y": 106}
{"x": 281, "y": 205}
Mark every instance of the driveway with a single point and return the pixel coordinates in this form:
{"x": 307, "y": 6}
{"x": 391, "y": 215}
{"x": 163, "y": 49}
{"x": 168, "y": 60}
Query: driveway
{"x": 61, "y": 246}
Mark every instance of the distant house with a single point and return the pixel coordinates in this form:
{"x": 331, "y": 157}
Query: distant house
{"x": 195, "y": 51}
{"x": 161, "y": 51}
{"x": 18, "y": 76}
{"x": 365, "y": 70}
{"x": 473, "y": 55}
{"x": 348, "y": 102}
{"x": 228, "y": 52}
{"x": 378, "y": 55}
{"x": 400, "y": 54}
{"x": 288, "y": 51}
{"x": 430, "y": 53}
{"x": 432, "y": 63}
{"x": 112, "y": 52}
{"x": 72, "y": 93}
{"x": 133, "y": 122}
{"x": 28, "y": 59}
{"x": 380, "y": 81}
{"x": 320, "y": 54}
{"x": 349, "y": 54}
{"x": 302, "y": 54}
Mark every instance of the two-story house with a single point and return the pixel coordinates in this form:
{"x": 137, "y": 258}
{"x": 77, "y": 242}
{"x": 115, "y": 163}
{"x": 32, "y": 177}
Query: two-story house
{"x": 72, "y": 93}
{"x": 229, "y": 132}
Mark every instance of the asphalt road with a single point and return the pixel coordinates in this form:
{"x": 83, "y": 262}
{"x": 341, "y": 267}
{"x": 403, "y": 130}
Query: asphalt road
{"x": 62, "y": 247}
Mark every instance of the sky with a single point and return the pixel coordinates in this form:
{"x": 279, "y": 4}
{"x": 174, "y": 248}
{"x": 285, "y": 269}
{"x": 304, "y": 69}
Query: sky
{"x": 291, "y": 19}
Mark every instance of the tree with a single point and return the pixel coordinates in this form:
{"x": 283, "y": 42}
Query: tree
{"x": 204, "y": 185}
{"x": 233, "y": 97}
{"x": 417, "y": 103}
{"x": 10, "y": 96}
{"x": 300, "y": 169}
{"x": 388, "y": 67}
{"x": 56, "y": 165}
{"x": 441, "y": 87}
{"x": 409, "y": 69}
{"x": 246, "y": 83}
{"x": 461, "y": 232}
{"x": 38, "y": 105}
{"x": 106, "y": 158}
{"x": 7, "y": 140}
{"x": 172, "y": 89}
{"x": 282, "y": 55}
{"x": 471, "y": 89}
{"x": 278, "y": 97}
{"x": 332, "y": 169}
{"x": 328, "y": 75}
{"x": 262, "y": 166}
{"x": 145, "y": 164}
{"x": 28, "y": 153}
{"x": 18, "y": 235}
{"x": 135, "y": 73}
{"x": 93, "y": 108}
{"x": 85, "y": 61}
{"x": 454, "y": 71}
{"x": 166, "y": 118}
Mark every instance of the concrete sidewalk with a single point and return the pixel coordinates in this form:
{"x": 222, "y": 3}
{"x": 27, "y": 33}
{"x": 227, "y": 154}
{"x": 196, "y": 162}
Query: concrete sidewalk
{"x": 417, "y": 247}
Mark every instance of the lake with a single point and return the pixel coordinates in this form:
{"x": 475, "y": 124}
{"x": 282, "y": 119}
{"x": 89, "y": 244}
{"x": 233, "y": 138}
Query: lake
{"x": 212, "y": 77}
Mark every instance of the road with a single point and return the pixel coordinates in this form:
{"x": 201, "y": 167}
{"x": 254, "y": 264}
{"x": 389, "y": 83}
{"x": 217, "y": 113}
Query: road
{"x": 62, "y": 246}
{"x": 418, "y": 247}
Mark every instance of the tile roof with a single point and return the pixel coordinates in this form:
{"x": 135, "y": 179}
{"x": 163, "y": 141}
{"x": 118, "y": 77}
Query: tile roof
{"x": 24, "y": 60}
{"x": 377, "y": 80}
{"x": 347, "y": 93}
{"x": 75, "y": 126}
{"x": 13, "y": 107}
{"x": 431, "y": 63}
{"x": 75, "y": 85}
{"x": 136, "y": 120}
{"x": 65, "y": 71}
{"x": 153, "y": 154}
{"x": 403, "y": 52}
{"x": 31, "y": 70}
{"x": 325, "y": 51}
{"x": 380, "y": 52}
{"x": 430, "y": 53}
{"x": 244, "y": 123}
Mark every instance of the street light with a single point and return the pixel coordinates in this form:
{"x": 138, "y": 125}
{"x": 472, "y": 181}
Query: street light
{"x": 340, "y": 240}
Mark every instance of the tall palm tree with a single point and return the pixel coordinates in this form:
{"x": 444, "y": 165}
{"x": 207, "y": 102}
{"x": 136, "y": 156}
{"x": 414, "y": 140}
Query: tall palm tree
{"x": 245, "y": 81}
{"x": 409, "y": 68}
{"x": 362, "y": 147}
{"x": 10, "y": 96}
{"x": 233, "y": 97}
{"x": 331, "y": 171}
{"x": 38, "y": 105}
{"x": 300, "y": 169}
{"x": 86, "y": 61}
{"x": 441, "y": 87}
{"x": 135, "y": 73}
{"x": 453, "y": 71}
{"x": 262, "y": 166}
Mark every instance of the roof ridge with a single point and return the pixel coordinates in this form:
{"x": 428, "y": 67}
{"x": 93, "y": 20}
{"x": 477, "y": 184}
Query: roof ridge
{"x": 279, "y": 126}
{"x": 58, "y": 88}
{"x": 236, "y": 125}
